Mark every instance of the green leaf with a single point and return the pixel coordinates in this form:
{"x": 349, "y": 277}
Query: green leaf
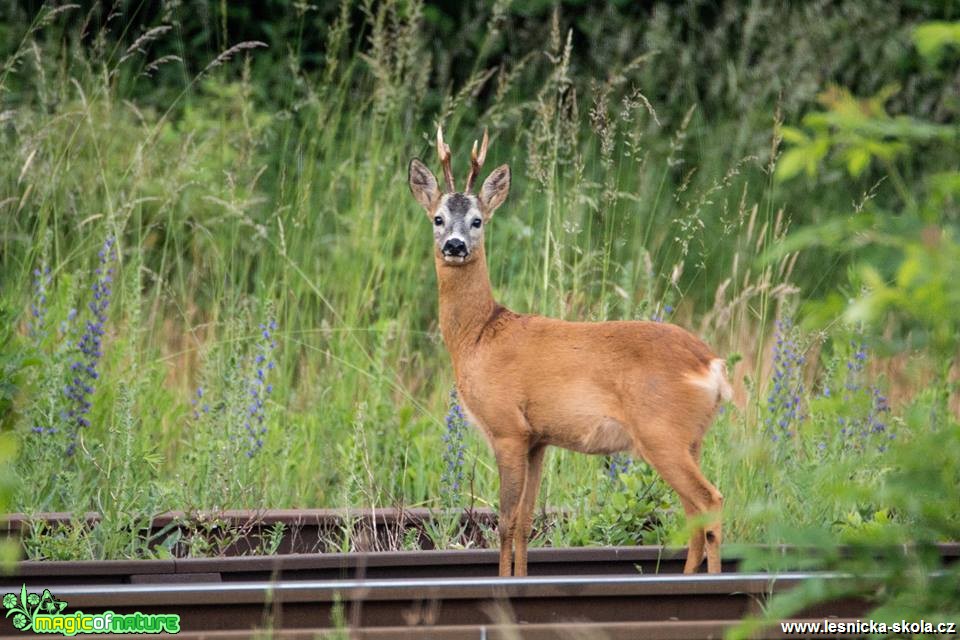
{"x": 932, "y": 38}
{"x": 791, "y": 163}
{"x": 794, "y": 135}
{"x": 858, "y": 159}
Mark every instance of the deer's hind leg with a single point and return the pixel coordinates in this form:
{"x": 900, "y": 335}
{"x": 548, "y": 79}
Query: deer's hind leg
{"x": 676, "y": 460}
{"x": 695, "y": 550}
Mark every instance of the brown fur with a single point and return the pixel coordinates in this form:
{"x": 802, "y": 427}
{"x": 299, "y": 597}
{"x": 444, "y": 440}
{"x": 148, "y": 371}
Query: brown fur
{"x": 529, "y": 382}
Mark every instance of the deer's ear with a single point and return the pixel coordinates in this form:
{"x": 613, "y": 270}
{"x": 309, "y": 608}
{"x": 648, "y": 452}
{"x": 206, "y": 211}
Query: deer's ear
{"x": 423, "y": 184}
{"x": 495, "y": 189}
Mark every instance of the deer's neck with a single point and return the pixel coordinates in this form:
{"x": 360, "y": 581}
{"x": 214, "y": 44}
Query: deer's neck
{"x": 466, "y": 303}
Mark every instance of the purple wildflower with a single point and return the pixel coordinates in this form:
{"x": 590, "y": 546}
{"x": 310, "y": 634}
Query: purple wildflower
{"x": 861, "y": 430}
{"x": 83, "y": 372}
{"x": 784, "y": 400}
{"x": 453, "y": 454}
{"x": 660, "y": 315}
{"x": 259, "y": 390}
{"x": 38, "y": 314}
{"x": 65, "y": 325}
{"x": 38, "y": 307}
{"x": 617, "y": 464}
{"x": 198, "y": 404}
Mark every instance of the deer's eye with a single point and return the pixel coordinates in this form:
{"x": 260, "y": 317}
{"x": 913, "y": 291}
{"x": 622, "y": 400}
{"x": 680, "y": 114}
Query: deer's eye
{"x": 476, "y": 223}
{"x": 438, "y": 221}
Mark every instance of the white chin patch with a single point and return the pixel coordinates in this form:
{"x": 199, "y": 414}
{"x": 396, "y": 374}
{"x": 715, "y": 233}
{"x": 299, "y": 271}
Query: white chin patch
{"x": 454, "y": 259}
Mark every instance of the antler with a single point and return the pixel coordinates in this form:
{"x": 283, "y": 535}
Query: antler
{"x": 476, "y": 161}
{"x": 443, "y": 150}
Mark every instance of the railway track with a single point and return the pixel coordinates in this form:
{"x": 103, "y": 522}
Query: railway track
{"x": 353, "y": 566}
{"x": 546, "y": 561}
{"x": 622, "y": 592}
{"x": 660, "y": 606}
{"x": 579, "y": 593}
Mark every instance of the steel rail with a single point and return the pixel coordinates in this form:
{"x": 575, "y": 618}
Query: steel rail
{"x": 396, "y": 564}
{"x": 545, "y": 561}
{"x": 676, "y": 630}
{"x": 368, "y": 604}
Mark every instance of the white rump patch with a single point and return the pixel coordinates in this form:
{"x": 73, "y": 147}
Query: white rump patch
{"x": 714, "y": 380}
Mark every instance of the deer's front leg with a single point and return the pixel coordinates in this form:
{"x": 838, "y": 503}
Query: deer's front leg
{"x": 531, "y": 487}
{"x": 512, "y": 463}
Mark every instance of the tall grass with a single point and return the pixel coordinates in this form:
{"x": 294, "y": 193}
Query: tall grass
{"x": 260, "y": 215}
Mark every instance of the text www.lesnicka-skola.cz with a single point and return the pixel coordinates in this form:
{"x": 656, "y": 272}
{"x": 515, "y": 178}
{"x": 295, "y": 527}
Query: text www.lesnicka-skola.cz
{"x": 860, "y": 627}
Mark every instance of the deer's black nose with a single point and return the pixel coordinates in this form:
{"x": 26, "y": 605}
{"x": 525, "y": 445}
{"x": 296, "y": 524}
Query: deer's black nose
{"x": 455, "y": 247}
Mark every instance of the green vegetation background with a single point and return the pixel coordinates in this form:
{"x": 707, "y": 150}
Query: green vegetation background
{"x": 218, "y": 292}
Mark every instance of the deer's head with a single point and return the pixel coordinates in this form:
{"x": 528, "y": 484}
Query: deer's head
{"x": 458, "y": 217}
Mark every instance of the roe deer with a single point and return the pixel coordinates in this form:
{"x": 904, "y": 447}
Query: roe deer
{"x": 528, "y": 381}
